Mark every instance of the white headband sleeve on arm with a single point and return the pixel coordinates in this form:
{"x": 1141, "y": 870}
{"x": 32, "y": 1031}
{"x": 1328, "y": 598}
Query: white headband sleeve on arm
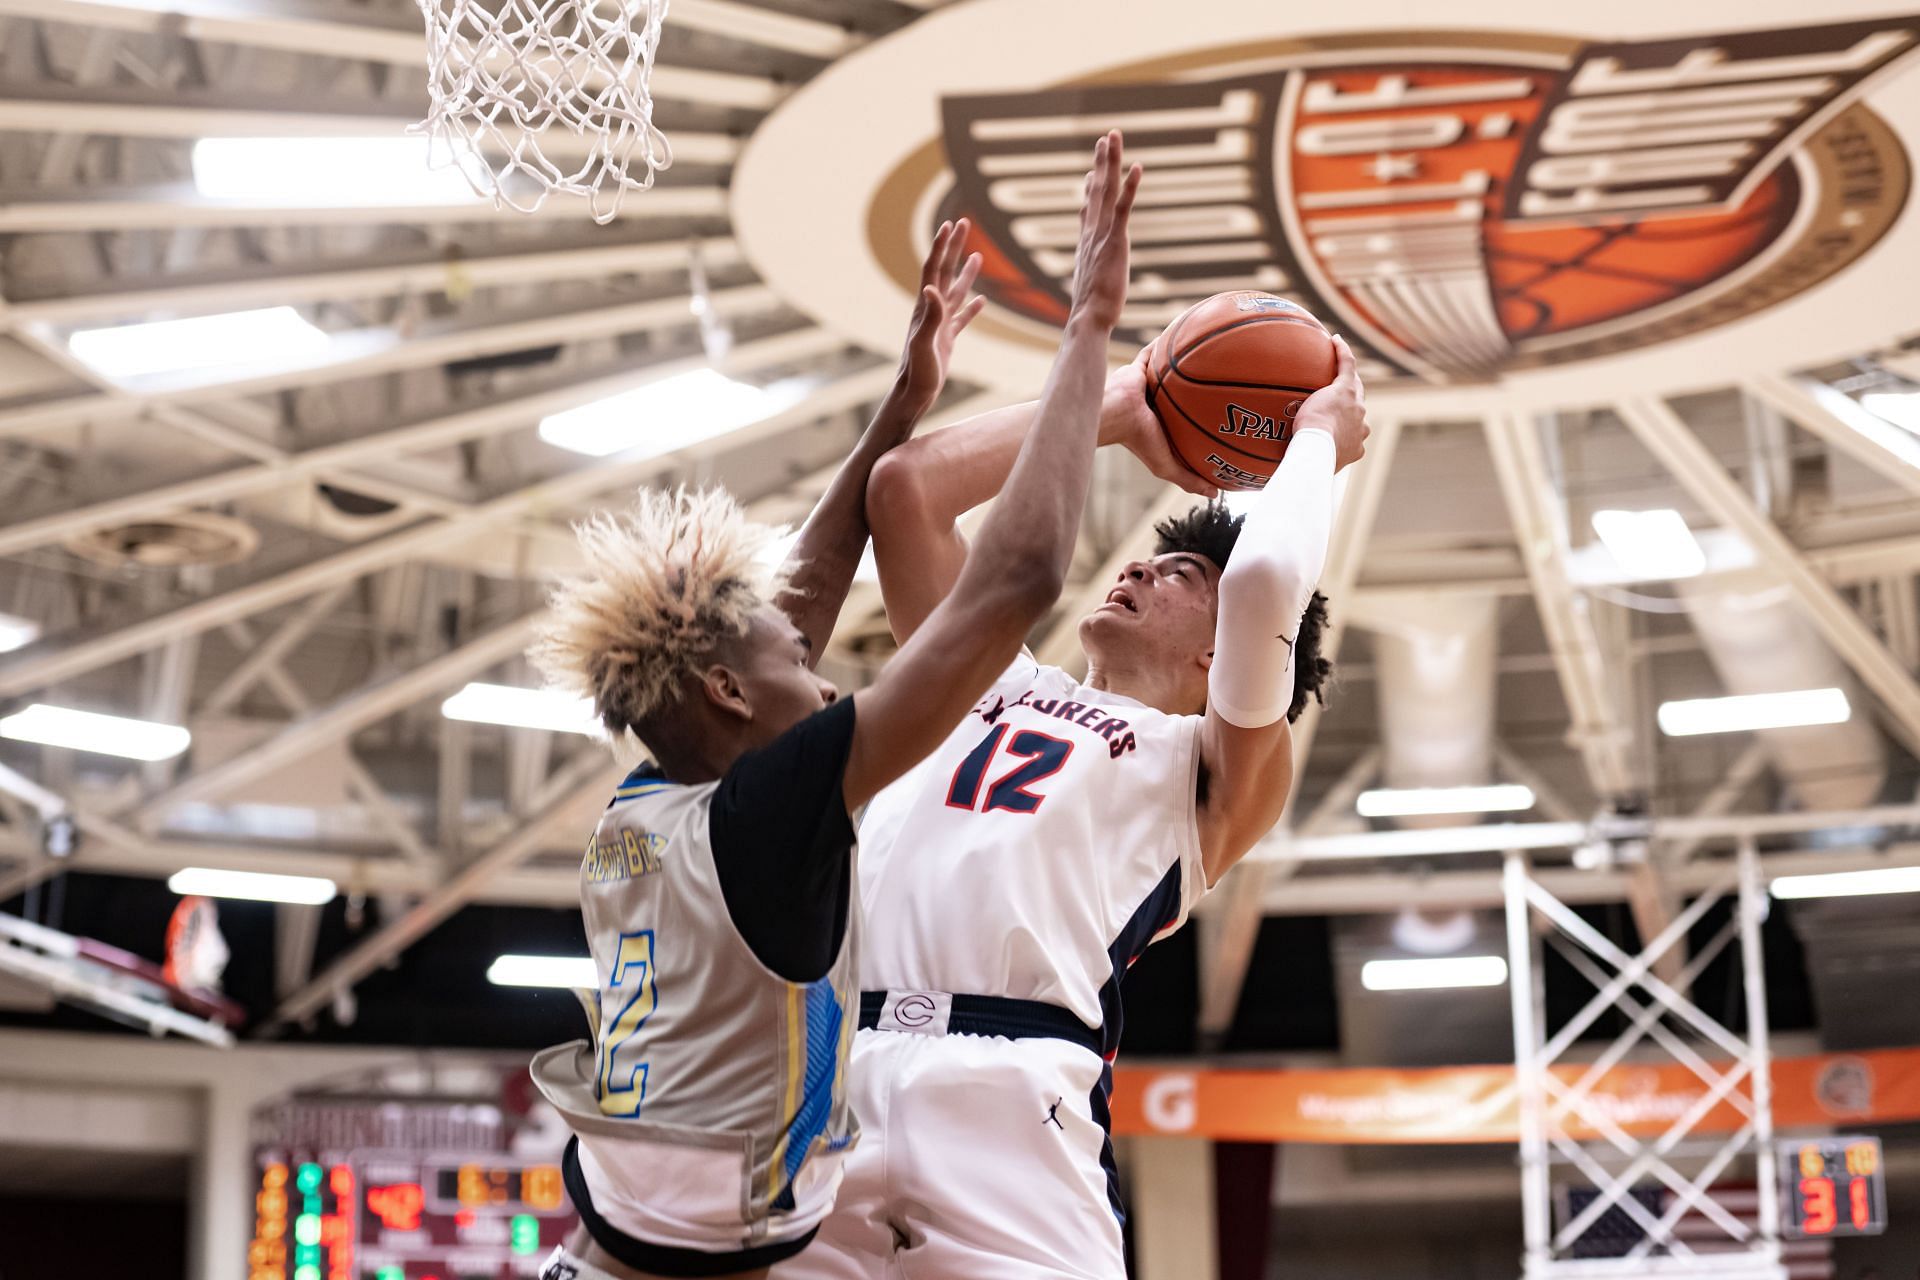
{"x": 1268, "y": 583}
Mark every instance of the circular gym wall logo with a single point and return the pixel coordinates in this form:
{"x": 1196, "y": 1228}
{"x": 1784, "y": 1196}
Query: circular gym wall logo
{"x": 1459, "y": 205}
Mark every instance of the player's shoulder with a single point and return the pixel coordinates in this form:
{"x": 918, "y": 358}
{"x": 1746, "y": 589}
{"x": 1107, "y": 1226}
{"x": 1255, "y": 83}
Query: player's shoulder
{"x": 647, "y": 792}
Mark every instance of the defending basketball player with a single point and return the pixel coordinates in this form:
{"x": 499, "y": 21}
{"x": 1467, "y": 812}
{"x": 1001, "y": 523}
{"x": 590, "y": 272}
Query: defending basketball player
{"x": 1012, "y": 878}
{"x": 709, "y": 1108}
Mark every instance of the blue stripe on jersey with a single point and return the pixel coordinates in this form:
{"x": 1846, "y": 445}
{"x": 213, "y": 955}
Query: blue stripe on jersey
{"x": 1160, "y": 909}
{"x": 643, "y": 781}
{"x": 823, "y": 1017}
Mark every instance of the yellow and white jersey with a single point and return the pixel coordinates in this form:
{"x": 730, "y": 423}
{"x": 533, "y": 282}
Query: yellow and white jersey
{"x": 1037, "y": 852}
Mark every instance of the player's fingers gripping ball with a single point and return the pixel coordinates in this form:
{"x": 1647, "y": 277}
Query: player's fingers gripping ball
{"x": 1226, "y": 378}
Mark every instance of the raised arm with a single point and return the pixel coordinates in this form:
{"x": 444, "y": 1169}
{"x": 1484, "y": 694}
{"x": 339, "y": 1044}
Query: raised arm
{"x": 919, "y": 491}
{"x": 828, "y": 549}
{"x": 1015, "y": 573}
{"x": 1246, "y": 743}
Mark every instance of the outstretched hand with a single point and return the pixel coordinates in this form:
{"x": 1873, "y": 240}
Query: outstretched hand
{"x": 1340, "y": 409}
{"x": 942, "y": 311}
{"x": 1100, "y": 265}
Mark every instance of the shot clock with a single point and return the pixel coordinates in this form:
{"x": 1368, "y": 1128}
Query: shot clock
{"x": 1834, "y": 1187}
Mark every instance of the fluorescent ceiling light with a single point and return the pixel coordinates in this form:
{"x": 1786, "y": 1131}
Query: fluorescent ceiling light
{"x": 1901, "y": 408}
{"x": 202, "y": 342}
{"x": 1849, "y": 884}
{"x": 543, "y": 971}
{"x": 667, "y": 415}
{"x": 258, "y": 886}
{"x": 1754, "y": 711}
{"x": 522, "y": 709}
{"x": 1432, "y": 973}
{"x": 91, "y": 731}
{"x": 1407, "y": 802}
{"x": 1650, "y": 545}
{"x": 17, "y": 633}
{"x": 355, "y": 172}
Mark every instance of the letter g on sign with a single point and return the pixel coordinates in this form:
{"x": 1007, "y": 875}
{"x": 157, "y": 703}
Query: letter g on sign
{"x": 1170, "y": 1102}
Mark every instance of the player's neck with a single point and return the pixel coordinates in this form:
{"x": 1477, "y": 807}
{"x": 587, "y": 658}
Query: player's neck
{"x": 691, "y": 758}
{"x": 1156, "y": 687}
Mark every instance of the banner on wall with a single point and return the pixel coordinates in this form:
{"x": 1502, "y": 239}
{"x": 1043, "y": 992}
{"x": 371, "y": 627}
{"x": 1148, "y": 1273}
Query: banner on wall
{"x": 1478, "y": 1104}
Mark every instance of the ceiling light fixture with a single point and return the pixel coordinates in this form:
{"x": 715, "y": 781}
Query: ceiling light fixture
{"x": 519, "y": 708}
{"x": 1433, "y": 973}
{"x": 17, "y": 633}
{"x": 1653, "y": 546}
{"x": 354, "y": 172}
{"x": 670, "y": 414}
{"x": 543, "y": 971}
{"x": 1848, "y": 884}
{"x": 201, "y": 342}
{"x": 92, "y": 731}
{"x": 1408, "y": 802}
{"x": 1901, "y": 408}
{"x": 255, "y": 886}
{"x": 1789, "y": 710}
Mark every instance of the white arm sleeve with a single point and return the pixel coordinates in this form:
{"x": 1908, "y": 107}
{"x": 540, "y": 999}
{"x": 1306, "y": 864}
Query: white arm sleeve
{"x": 1269, "y": 582}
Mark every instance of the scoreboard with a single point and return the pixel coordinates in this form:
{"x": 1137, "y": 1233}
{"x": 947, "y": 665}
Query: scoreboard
{"x": 394, "y": 1216}
{"x": 1834, "y": 1187}
{"x": 402, "y": 1192}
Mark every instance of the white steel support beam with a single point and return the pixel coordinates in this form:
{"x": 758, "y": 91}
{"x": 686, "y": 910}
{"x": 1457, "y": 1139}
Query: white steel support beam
{"x": 768, "y": 28}
{"x": 1845, "y": 425}
{"x": 355, "y": 871}
{"x": 363, "y": 353}
{"x": 582, "y": 785}
{"x": 179, "y": 204}
{"x": 360, "y": 781}
{"x": 1669, "y": 440}
{"x": 231, "y": 289}
{"x": 1361, "y": 890}
{"x": 491, "y": 418}
{"x": 296, "y": 928}
{"x": 1599, "y": 732}
{"x": 35, "y": 669}
{"x": 1720, "y": 801}
{"x": 188, "y": 113}
{"x": 1369, "y": 892}
{"x": 340, "y": 31}
{"x": 1357, "y": 502}
{"x": 261, "y": 656}
{"x": 341, "y": 719}
{"x": 1545, "y": 798}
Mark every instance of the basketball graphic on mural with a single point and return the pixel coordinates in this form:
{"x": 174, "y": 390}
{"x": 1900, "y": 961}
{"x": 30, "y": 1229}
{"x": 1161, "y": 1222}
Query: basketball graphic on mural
{"x": 1559, "y": 279}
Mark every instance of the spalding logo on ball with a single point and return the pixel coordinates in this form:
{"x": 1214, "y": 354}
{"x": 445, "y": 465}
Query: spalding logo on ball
{"x": 1227, "y": 377}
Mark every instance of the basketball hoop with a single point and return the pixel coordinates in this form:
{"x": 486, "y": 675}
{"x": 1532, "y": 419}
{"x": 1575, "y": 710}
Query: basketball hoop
{"x": 536, "y": 96}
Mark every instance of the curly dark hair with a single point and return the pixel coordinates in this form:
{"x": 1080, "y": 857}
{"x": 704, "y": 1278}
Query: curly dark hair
{"x": 1211, "y": 530}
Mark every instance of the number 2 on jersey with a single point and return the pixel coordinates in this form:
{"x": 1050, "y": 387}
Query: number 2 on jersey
{"x": 1044, "y": 756}
{"x": 623, "y": 1089}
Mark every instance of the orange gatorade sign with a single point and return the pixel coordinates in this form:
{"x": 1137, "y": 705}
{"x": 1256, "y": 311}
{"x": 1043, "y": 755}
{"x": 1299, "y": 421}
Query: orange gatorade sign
{"x": 1477, "y": 1104}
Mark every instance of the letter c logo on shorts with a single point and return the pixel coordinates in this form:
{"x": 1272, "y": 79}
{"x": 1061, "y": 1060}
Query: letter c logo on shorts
{"x": 1171, "y": 1104}
{"x": 920, "y": 1013}
{"x": 916, "y": 1010}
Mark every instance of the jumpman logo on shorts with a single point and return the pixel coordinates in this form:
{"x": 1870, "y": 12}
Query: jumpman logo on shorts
{"x": 1053, "y": 1116}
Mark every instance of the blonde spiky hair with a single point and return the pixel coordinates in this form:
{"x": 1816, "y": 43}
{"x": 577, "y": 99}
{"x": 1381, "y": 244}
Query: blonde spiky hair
{"x": 665, "y": 581}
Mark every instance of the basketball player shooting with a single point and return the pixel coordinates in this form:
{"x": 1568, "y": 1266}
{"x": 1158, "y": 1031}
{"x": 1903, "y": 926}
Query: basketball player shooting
{"x": 1011, "y": 879}
{"x": 709, "y": 1108}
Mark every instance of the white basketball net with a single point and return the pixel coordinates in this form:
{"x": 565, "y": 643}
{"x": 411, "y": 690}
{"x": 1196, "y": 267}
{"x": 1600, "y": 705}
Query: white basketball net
{"x": 537, "y": 96}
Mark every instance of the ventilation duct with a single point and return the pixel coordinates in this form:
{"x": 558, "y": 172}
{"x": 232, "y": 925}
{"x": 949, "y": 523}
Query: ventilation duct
{"x": 1753, "y": 634}
{"x": 1435, "y": 670}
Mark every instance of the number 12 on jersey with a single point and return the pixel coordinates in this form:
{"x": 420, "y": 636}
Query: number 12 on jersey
{"x": 1044, "y": 757}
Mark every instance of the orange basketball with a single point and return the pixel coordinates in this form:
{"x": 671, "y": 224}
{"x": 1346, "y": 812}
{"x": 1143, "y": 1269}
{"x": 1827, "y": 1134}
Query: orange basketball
{"x": 1227, "y": 377}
